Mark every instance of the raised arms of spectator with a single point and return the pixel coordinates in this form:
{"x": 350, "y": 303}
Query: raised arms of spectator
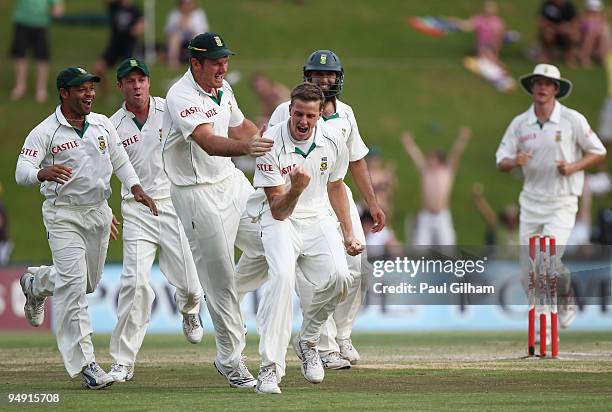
{"x": 459, "y": 147}
{"x": 413, "y": 151}
{"x": 483, "y": 206}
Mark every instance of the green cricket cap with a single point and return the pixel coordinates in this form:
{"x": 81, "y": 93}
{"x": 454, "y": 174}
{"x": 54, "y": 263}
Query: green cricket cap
{"x": 126, "y": 66}
{"x": 209, "y": 45}
{"x": 75, "y": 76}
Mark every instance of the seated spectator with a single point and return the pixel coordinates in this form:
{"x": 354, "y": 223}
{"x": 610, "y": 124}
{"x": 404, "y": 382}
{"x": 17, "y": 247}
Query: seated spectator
{"x": 184, "y": 23}
{"x": 31, "y": 32}
{"x": 270, "y": 94}
{"x": 502, "y": 229}
{"x": 489, "y": 30}
{"x": 558, "y": 29}
{"x": 594, "y": 34}
{"x": 127, "y": 24}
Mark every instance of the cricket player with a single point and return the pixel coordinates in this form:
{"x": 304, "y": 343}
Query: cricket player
{"x": 323, "y": 68}
{"x": 307, "y": 163}
{"x": 139, "y": 125}
{"x": 202, "y": 128}
{"x": 553, "y": 145}
{"x": 72, "y": 154}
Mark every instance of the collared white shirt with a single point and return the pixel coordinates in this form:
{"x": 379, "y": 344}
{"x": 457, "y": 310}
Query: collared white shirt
{"x": 93, "y": 157}
{"x": 325, "y": 161}
{"x": 343, "y": 121}
{"x": 143, "y": 146}
{"x": 188, "y": 106}
{"x": 565, "y": 136}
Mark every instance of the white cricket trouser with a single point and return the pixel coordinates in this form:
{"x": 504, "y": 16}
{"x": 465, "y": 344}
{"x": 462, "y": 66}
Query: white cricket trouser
{"x": 78, "y": 239}
{"x": 143, "y": 233}
{"x": 434, "y": 229}
{"x": 340, "y": 324}
{"x": 547, "y": 216}
{"x": 214, "y": 219}
{"x": 315, "y": 246}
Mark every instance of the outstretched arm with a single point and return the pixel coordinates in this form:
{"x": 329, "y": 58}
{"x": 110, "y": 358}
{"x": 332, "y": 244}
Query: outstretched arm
{"x": 413, "y": 150}
{"x": 483, "y": 206}
{"x": 458, "y": 147}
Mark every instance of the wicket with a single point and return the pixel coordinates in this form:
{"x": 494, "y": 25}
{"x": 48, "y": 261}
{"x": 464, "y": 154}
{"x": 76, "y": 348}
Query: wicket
{"x": 543, "y": 296}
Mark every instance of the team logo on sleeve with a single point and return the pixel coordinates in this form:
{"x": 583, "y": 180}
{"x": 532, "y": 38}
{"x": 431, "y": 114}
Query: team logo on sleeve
{"x": 323, "y": 164}
{"x": 29, "y": 152}
{"x": 558, "y": 136}
{"x": 102, "y": 144}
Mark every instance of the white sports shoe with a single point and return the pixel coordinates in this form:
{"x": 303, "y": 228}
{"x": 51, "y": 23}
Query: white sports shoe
{"x": 192, "y": 328}
{"x": 34, "y": 307}
{"x": 94, "y": 377}
{"x": 333, "y": 360}
{"x": 348, "y": 351}
{"x": 121, "y": 373}
{"x": 266, "y": 380}
{"x": 312, "y": 368}
{"x": 239, "y": 377}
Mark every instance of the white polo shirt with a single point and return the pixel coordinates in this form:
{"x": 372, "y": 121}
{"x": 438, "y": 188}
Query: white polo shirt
{"x": 188, "y": 106}
{"x": 325, "y": 161}
{"x": 93, "y": 157}
{"x": 343, "y": 121}
{"x": 143, "y": 145}
{"x": 565, "y": 136}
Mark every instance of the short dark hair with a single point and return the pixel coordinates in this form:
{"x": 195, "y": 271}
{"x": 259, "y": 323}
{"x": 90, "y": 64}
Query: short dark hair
{"x": 308, "y": 92}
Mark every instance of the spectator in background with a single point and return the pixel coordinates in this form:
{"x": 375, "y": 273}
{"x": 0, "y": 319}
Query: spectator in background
{"x": 558, "y": 28}
{"x": 127, "y": 24}
{"x": 434, "y": 225}
{"x": 270, "y": 94}
{"x": 6, "y": 246}
{"x": 184, "y": 23}
{"x": 31, "y": 20}
{"x": 502, "y": 230}
{"x": 489, "y": 30}
{"x": 384, "y": 180}
{"x": 594, "y": 34}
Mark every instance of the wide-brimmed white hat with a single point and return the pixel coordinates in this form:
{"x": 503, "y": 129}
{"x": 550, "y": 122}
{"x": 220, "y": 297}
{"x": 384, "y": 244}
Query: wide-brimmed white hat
{"x": 593, "y": 5}
{"x": 550, "y": 72}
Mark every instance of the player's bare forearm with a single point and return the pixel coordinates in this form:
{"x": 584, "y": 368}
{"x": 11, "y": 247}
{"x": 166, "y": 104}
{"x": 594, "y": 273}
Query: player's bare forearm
{"x": 361, "y": 175}
{"x": 221, "y": 146}
{"x": 339, "y": 202}
{"x": 413, "y": 150}
{"x": 246, "y": 130}
{"x": 459, "y": 147}
{"x": 588, "y": 160}
{"x": 282, "y": 201}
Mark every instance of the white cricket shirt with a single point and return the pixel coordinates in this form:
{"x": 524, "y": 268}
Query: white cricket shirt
{"x": 188, "y": 106}
{"x": 343, "y": 121}
{"x": 565, "y": 136}
{"x": 325, "y": 161}
{"x": 93, "y": 157}
{"x": 143, "y": 146}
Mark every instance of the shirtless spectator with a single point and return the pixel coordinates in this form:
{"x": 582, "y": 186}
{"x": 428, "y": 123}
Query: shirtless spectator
{"x": 184, "y": 23}
{"x": 558, "y": 27}
{"x": 434, "y": 225}
{"x": 594, "y": 34}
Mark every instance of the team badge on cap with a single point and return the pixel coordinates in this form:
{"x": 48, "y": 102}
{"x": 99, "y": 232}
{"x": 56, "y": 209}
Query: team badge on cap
{"x": 218, "y": 41}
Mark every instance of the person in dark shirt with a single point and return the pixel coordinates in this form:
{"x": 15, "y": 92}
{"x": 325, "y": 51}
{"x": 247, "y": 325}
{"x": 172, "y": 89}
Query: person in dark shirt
{"x": 558, "y": 29}
{"x": 127, "y": 24}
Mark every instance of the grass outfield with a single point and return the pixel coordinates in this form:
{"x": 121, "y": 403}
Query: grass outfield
{"x": 425, "y": 371}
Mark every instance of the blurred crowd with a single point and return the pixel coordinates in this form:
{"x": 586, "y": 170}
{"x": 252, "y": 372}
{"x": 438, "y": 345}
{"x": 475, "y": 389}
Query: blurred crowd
{"x": 576, "y": 34}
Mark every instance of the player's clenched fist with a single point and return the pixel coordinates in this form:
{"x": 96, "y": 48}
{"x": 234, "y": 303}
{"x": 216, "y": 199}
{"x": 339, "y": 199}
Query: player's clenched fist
{"x": 299, "y": 178}
{"x": 353, "y": 246}
{"x": 56, "y": 173}
{"x": 522, "y": 158}
{"x": 259, "y": 146}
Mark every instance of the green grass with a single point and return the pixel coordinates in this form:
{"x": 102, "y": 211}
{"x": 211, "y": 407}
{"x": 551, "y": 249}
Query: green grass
{"x": 396, "y": 79}
{"x": 425, "y": 371}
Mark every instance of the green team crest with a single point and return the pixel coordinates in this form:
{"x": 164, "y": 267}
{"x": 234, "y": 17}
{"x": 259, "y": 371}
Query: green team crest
{"x": 323, "y": 59}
